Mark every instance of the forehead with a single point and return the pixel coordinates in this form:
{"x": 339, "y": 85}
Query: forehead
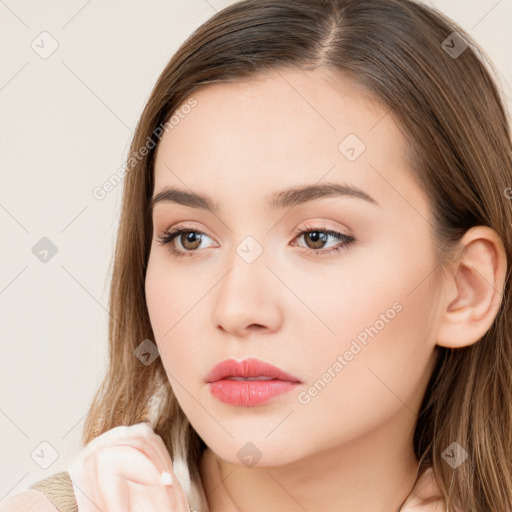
{"x": 277, "y": 108}
{"x": 281, "y": 129}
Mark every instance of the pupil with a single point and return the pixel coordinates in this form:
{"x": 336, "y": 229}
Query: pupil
{"x": 315, "y": 237}
{"x": 191, "y": 240}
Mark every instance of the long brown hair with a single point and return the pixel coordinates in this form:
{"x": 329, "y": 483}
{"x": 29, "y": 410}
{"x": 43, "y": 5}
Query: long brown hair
{"x": 447, "y": 102}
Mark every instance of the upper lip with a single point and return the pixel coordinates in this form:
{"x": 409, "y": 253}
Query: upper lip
{"x": 250, "y": 367}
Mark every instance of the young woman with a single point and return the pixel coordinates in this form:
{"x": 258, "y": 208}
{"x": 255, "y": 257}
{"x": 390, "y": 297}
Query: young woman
{"x": 310, "y": 304}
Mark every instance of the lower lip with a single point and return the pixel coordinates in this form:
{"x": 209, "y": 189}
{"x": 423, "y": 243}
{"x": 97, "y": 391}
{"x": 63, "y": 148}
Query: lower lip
{"x": 249, "y": 392}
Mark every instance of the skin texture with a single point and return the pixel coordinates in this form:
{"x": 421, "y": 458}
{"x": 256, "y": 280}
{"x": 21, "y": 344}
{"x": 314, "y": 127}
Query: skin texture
{"x": 350, "y": 447}
{"x": 121, "y": 468}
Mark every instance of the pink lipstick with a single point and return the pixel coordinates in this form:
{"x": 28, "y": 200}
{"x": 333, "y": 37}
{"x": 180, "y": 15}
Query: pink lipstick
{"x": 249, "y": 382}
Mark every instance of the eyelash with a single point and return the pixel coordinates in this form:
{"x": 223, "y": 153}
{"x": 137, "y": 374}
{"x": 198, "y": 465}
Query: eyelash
{"x": 168, "y": 237}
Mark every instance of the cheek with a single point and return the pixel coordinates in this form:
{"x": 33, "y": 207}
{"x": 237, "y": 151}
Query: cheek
{"x": 379, "y": 361}
{"x": 160, "y": 307}
{"x": 163, "y": 306}
{"x": 173, "y": 302}
{"x": 166, "y": 294}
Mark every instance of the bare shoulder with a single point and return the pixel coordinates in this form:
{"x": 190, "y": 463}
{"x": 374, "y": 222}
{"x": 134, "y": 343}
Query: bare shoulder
{"x": 27, "y": 501}
{"x": 425, "y": 496}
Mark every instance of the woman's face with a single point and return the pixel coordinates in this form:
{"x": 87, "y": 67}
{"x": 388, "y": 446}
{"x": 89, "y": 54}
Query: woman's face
{"x": 263, "y": 276}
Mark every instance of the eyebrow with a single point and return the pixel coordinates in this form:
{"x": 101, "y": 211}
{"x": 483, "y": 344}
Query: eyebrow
{"x": 283, "y": 199}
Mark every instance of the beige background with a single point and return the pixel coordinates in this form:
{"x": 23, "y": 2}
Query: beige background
{"x": 65, "y": 126}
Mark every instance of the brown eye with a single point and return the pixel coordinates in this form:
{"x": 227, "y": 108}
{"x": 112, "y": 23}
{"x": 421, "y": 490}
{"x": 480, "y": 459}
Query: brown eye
{"x": 189, "y": 240}
{"x": 182, "y": 241}
{"x": 317, "y": 239}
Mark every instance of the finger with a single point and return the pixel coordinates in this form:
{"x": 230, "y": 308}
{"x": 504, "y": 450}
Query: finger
{"x": 160, "y": 447}
{"x": 124, "y": 472}
{"x": 121, "y": 495}
{"x": 128, "y": 463}
{"x": 115, "y": 493}
{"x": 146, "y": 446}
{"x": 151, "y": 498}
{"x": 143, "y": 437}
{"x": 96, "y": 496}
{"x": 83, "y": 470}
{"x": 181, "y": 495}
{"x": 83, "y": 476}
{"x": 157, "y": 442}
{"x": 139, "y": 435}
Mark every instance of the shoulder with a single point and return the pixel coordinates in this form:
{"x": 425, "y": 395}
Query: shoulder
{"x": 27, "y": 501}
{"x": 425, "y": 496}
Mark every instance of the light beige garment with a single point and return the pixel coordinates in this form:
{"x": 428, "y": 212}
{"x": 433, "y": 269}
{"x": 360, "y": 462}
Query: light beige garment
{"x": 58, "y": 488}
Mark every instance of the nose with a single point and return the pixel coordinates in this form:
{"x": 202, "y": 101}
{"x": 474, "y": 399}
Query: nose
{"x": 247, "y": 299}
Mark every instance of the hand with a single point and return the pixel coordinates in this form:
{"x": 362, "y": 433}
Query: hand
{"x": 120, "y": 471}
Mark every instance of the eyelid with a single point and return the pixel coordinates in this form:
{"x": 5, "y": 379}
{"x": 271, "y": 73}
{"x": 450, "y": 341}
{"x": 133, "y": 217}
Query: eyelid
{"x": 185, "y": 226}
{"x": 320, "y": 225}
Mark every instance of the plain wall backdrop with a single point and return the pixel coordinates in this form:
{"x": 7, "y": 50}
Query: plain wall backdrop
{"x": 74, "y": 78}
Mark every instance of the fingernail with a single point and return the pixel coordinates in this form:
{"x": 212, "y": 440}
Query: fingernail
{"x": 166, "y": 478}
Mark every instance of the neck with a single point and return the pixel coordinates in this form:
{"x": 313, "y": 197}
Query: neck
{"x": 373, "y": 473}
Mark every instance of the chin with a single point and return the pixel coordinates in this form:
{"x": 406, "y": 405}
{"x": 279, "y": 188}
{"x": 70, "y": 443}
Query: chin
{"x": 258, "y": 451}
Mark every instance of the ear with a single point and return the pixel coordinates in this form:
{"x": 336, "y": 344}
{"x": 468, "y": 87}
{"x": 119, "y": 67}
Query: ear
{"x": 474, "y": 289}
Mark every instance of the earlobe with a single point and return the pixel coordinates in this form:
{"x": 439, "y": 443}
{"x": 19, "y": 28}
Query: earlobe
{"x": 474, "y": 290}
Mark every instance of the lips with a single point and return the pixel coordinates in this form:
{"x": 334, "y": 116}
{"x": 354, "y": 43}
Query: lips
{"x": 249, "y": 370}
{"x": 249, "y": 383}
